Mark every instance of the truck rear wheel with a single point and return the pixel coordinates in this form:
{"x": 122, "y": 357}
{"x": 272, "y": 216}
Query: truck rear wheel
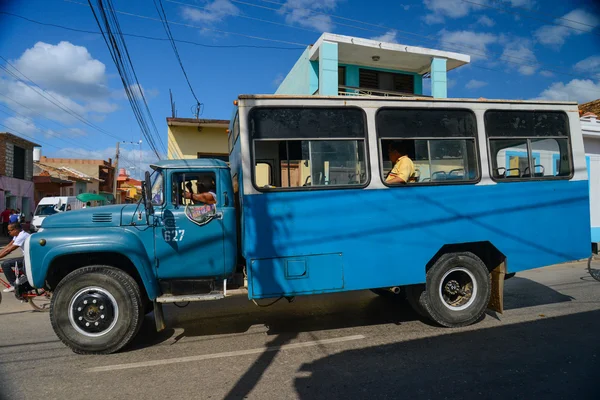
{"x": 458, "y": 290}
{"x": 96, "y": 310}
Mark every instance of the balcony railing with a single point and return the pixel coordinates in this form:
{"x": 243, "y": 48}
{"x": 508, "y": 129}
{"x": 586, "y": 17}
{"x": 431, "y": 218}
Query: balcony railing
{"x": 357, "y": 91}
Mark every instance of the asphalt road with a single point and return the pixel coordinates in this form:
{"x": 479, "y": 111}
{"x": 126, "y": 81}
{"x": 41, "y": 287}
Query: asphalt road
{"x": 352, "y": 346}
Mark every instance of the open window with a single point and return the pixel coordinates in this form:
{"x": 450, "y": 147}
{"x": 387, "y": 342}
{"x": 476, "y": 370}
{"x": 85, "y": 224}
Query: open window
{"x": 440, "y": 143}
{"x": 528, "y": 144}
{"x": 308, "y": 147}
{"x": 203, "y": 182}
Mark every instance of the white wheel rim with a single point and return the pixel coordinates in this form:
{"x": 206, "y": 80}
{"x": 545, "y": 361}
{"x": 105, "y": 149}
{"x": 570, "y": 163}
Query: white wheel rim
{"x": 92, "y": 290}
{"x": 466, "y": 283}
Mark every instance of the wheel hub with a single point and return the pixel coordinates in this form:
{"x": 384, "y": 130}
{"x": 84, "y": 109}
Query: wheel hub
{"x": 452, "y": 287}
{"x": 93, "y": 311}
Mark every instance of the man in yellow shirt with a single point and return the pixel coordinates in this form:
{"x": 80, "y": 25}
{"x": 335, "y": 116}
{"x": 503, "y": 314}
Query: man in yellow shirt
{"x": 404, "y": 169}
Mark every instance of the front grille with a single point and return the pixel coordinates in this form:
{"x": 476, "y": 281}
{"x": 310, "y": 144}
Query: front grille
{"x": 102, "y": 217}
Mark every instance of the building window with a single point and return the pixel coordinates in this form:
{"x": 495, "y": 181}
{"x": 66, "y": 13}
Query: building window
{"x": 341, "y": 76}
{"x": 71, "y": 191}
{"x": 308, "y": 147}
{"x": 222, "y": 157}
{"x": 528, "y": 144}
{"x": 441, "y": 143}
{"x": 388, "y": 81}
{"x": 19, "y": 162}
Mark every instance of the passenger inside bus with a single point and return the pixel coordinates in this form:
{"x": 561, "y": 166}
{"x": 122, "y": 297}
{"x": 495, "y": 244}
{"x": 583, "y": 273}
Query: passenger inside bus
{"x": 403, "y": 170}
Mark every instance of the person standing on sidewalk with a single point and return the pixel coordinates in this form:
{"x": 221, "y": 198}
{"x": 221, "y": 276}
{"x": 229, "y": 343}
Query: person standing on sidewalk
{"x": 19, "y": 237}
{"x": 4, "y": 216}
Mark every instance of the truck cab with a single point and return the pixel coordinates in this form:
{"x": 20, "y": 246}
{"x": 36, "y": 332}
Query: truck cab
{"x": 108, "y": 266}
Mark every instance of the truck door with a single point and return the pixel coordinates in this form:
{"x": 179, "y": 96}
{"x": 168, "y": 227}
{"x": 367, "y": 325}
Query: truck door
{"x": 189, "y": 237}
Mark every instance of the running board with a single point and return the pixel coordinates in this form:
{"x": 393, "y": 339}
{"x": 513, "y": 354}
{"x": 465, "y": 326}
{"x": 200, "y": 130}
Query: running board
{"x": 200, "y": 297}
{"x": 190, "y": 297}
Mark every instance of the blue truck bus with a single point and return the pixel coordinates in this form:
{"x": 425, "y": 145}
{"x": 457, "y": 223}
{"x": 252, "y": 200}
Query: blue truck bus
{"x": 303, "y": 207}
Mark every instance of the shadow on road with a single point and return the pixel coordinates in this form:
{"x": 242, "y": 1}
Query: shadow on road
{"x": 316, "y": 313}
{"x": 522, "y": 292}
{"x": 549, "y": 358}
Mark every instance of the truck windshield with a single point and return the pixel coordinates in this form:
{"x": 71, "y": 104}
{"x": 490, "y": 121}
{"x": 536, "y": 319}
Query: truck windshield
{"x": 157, "y": 188}
{"x": 45, "y": 209}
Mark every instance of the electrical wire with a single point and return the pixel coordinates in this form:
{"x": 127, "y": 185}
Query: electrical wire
{"x": 51, "y": 98}
{"x": 120, "y": 55}
{"x": 236, "y": 46}
{"x": 165, "y": 21}
{"x": 454, "y": 46}
{"x": 537, "y": 19}
{"x": 203, "y": 27}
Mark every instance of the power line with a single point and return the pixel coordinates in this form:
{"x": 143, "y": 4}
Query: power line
{"x": 120, "y": 55}
{"x": 246, "y": 16}
{"x": 201, "y": 27}
{"x": 455, "y": 47}
{"x": 163, "y": 16}
{"x": 537, "y": 19}
{"x": 49, "y": 96}
{"x": 236, "y": 46}
{"x": 49, "y": 131}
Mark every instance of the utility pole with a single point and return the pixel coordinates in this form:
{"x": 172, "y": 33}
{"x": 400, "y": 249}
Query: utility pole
{"x": 116, "y": 173}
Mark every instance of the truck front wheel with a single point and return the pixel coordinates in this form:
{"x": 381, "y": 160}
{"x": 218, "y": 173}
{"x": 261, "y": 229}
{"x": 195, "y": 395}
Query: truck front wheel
{"x": 96, "y": 310}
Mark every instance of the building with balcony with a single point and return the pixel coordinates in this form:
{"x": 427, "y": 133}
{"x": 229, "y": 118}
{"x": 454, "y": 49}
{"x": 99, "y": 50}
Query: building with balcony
{"x": 345, "y": 65}
{"x": 16, "y": 174}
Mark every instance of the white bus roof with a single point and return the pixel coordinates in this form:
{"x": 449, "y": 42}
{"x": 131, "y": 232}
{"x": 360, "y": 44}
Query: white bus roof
{"x": 397, "y": 99}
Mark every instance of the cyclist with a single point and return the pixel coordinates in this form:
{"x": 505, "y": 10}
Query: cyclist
{"x": 19, "y": 237}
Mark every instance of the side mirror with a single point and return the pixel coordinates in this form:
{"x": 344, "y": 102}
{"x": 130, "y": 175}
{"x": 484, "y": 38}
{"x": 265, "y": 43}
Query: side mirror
{"x": 148, "y": 194}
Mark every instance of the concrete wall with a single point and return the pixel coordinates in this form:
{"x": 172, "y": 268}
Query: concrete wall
{"x": 298, "y": 80}
{"x": 439, "y": 86}
{"x": 187, "y": 142}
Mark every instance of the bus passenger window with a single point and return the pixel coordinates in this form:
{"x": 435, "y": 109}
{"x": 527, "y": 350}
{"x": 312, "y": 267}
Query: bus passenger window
{"x": 528, "y": 144}
{"x": 440, "y": 143}
{"x": 308, "y": 148}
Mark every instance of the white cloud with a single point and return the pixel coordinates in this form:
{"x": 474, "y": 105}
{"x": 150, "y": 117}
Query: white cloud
{"x": 65, "y": 68}
{"x": 302, "y": 12}
{"x": 573, "y": 23}
{"x": 518, "y": 54}
{"x": 486, "y": 21}
{"x": 580, "y": 90}
{"x": 406, "y": 7}
{"x": 589, "y": 66}
{"x": 451, "y": 83}
{"x": 389, "y": 37}
{"x": 472, "y": 41}
{"x": 440, "y": 9}
{"x": 213, "y": 12}
{"x": 475, "y": 84}
{"x": 24, "y": 126}
{"x": 71, "y": 77}
{"x": 547, "y": 74}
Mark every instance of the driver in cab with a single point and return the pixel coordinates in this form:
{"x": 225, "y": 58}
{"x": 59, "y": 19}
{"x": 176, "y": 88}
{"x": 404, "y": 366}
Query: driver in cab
{"x": 206, "y": 194}
{"x": 403, "y": 170}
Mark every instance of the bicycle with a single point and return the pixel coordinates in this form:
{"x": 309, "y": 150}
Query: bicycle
{"x": 38, "y": 299}
{"x": 593, "y": 266}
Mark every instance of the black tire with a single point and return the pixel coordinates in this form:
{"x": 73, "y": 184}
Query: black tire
{"x": 453, "y": 272}
{"x": 415, "y": 296}
{"x": 124, "y": 310}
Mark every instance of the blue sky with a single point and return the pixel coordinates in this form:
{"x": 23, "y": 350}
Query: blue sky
{"x": 520, "y": 49}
